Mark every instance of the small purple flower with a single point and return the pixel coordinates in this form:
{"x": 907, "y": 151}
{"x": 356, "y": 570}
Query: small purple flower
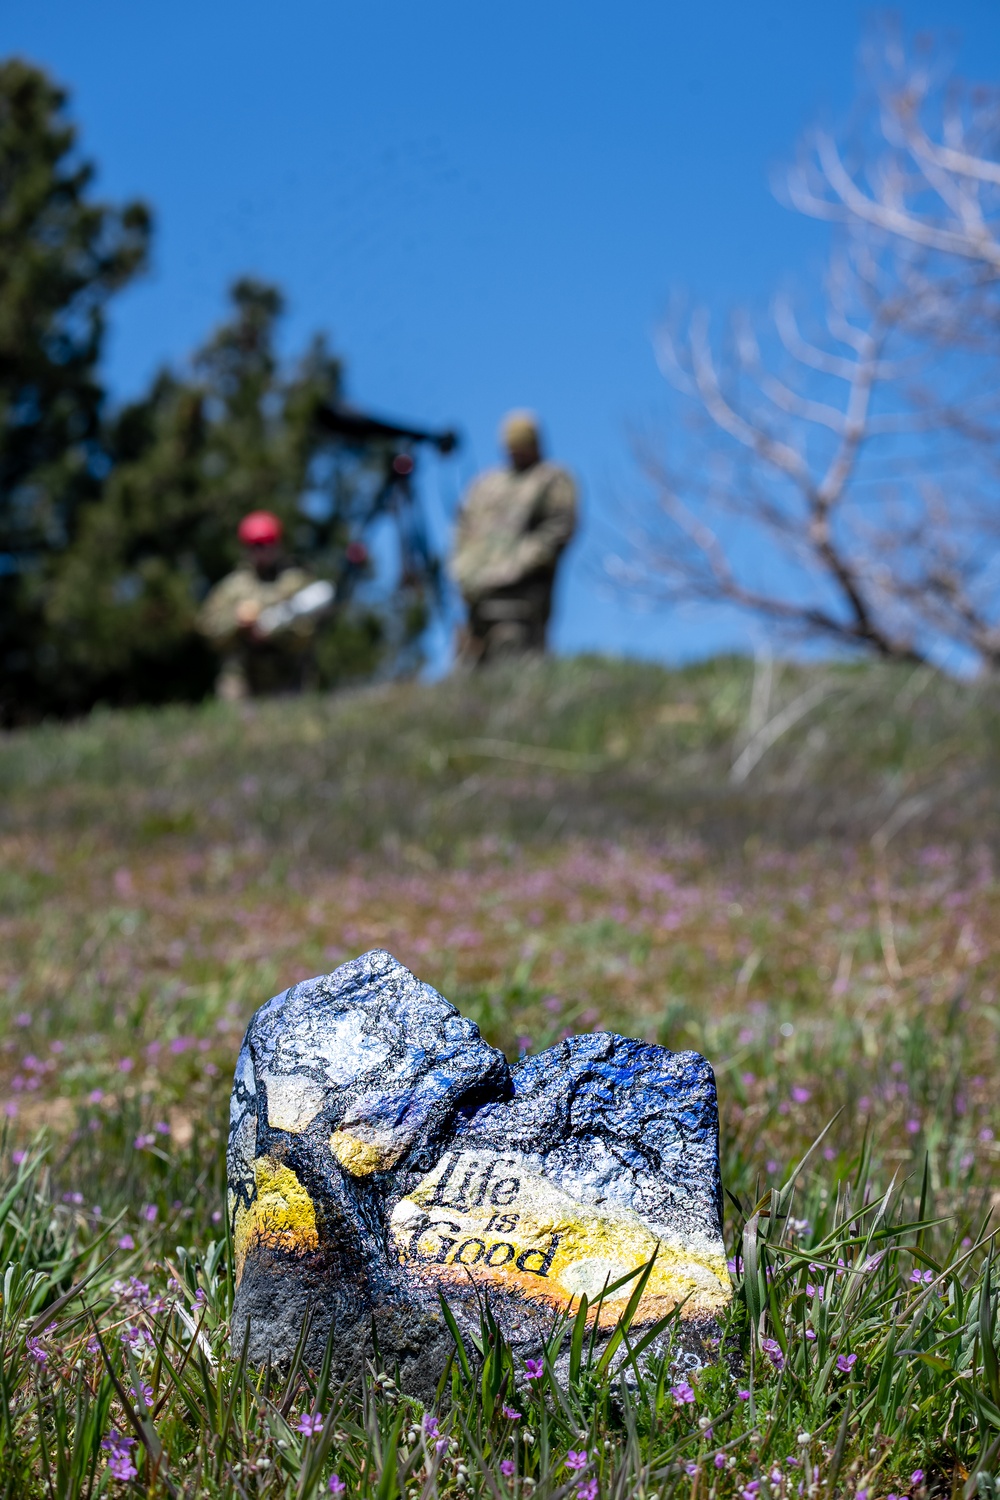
{"x": 511, "y": 1414}
{"x": 136, "y": 1338}
{"x": 37, "y": 1351}
{"x": 774, "y": 1352}
{"x": 743, "y": 1395}
{"x": 508, "y": 1468}
{"x": 587, "y": 1491}
{"x": 143, "y": 1392}
{"x": 720, "y": 1460}
{"x": 861, "y": 1495}
{"x": 814, "y": 1291}
{"x": 534, "y": 1369}
{"x": 576, "y": 1460}
{"x": 336, "y": 1485}
{"x": 690, "y": 1468}
{"x": 801, "y": 1095}
{"x": 310, "y": 1423}
{"x": 917, "y": 1477}
{"x": 126, "y": 1242}
{"x": 17, "y": 1157}
{"x": 682, "y": 1393}
{"x": 846, "y": 1362}
{"x": 431, "y": 1427}
{"x": 119, "y": 1447}
{"x": 149, "y": 1212}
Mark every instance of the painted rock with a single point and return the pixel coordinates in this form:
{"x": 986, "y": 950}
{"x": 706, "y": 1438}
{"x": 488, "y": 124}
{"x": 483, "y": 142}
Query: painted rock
{"x": 382, "y": 1154}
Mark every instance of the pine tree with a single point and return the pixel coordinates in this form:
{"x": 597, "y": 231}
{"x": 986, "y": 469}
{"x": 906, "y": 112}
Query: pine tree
{"x": 62, "y": 256}
{"x": 238, "y": 433}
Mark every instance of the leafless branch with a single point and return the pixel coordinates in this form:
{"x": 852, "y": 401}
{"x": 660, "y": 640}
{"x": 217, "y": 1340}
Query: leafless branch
{"x": 845, "y": 482}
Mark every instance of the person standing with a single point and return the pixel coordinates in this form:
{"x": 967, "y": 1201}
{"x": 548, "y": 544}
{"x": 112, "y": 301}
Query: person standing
{"x": 255, "y": 660}
{"x": 513, "y": 526}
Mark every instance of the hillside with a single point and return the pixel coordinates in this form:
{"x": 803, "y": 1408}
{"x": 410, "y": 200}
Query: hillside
{"x": 574, "y": 748}
{"x": 795, "y": 878}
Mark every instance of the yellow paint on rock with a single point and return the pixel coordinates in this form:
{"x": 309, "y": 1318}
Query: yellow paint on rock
{"x": 281, "y": 1216}
{"x": 488, "y": 1215}
{"x": 361, "y": 1158}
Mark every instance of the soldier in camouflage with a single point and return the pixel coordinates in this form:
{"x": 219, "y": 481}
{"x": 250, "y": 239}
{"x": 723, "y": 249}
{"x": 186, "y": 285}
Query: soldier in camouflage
{"x": 512, "y": 528}
{"x": 254, "y": 663}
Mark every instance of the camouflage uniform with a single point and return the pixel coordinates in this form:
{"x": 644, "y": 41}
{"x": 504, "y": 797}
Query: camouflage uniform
{"x": 279, "y": 662}
{"x": 511, "y": 530}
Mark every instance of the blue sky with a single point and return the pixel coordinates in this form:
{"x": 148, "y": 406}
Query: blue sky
{"x": 486, "y": 206}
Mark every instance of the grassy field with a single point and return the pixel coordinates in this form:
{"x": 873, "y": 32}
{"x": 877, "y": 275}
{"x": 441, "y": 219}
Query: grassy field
{"x": 790, "y": 870}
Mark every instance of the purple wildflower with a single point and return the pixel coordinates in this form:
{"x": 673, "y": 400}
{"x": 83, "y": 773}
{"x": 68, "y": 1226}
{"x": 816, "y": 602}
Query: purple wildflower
{"x": 720, "y": 1460}
{"x": 691, "y": 1468}
{"x": 38, "y": 1352}
{"x": 431, "y": 1426}
{"x": 336, "y": 1485}
{"x": 682, "y": 1393}
{"x": 511, "y": 1414}
{"x": 917, "y": 1477}
{"x": 774, "y": 1352}
{"x": 576, "y": 1460}
{"x": 126, "y": 1242}
{"x": 743, "y": 1395}
{"x": 118, "y": 1447}
{"x": 135, "y": 1338}
{"x": 533, "y": 1369}
{"x": 801, "y": 1095}
{"x": 587, "y": 1491}
{"x": 143, "y": 1392}
{"x": 508, "y": 1468}
{"x": 310, "y": 1424}
{"x": 846, "y": 1362}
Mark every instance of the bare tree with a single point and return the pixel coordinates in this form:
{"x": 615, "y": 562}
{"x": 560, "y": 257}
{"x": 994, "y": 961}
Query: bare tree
{"x": 839, "y": 470}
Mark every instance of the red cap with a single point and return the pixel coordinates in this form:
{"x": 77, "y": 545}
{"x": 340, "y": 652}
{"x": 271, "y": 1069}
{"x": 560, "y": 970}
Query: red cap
{"x": 259, "y": 529}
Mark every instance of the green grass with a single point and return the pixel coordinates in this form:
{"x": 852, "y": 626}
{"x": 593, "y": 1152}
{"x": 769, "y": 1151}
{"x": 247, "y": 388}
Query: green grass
{"x": 557, "y": 849}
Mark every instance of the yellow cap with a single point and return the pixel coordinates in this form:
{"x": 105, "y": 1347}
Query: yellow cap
{"x": 519, "y": 429}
